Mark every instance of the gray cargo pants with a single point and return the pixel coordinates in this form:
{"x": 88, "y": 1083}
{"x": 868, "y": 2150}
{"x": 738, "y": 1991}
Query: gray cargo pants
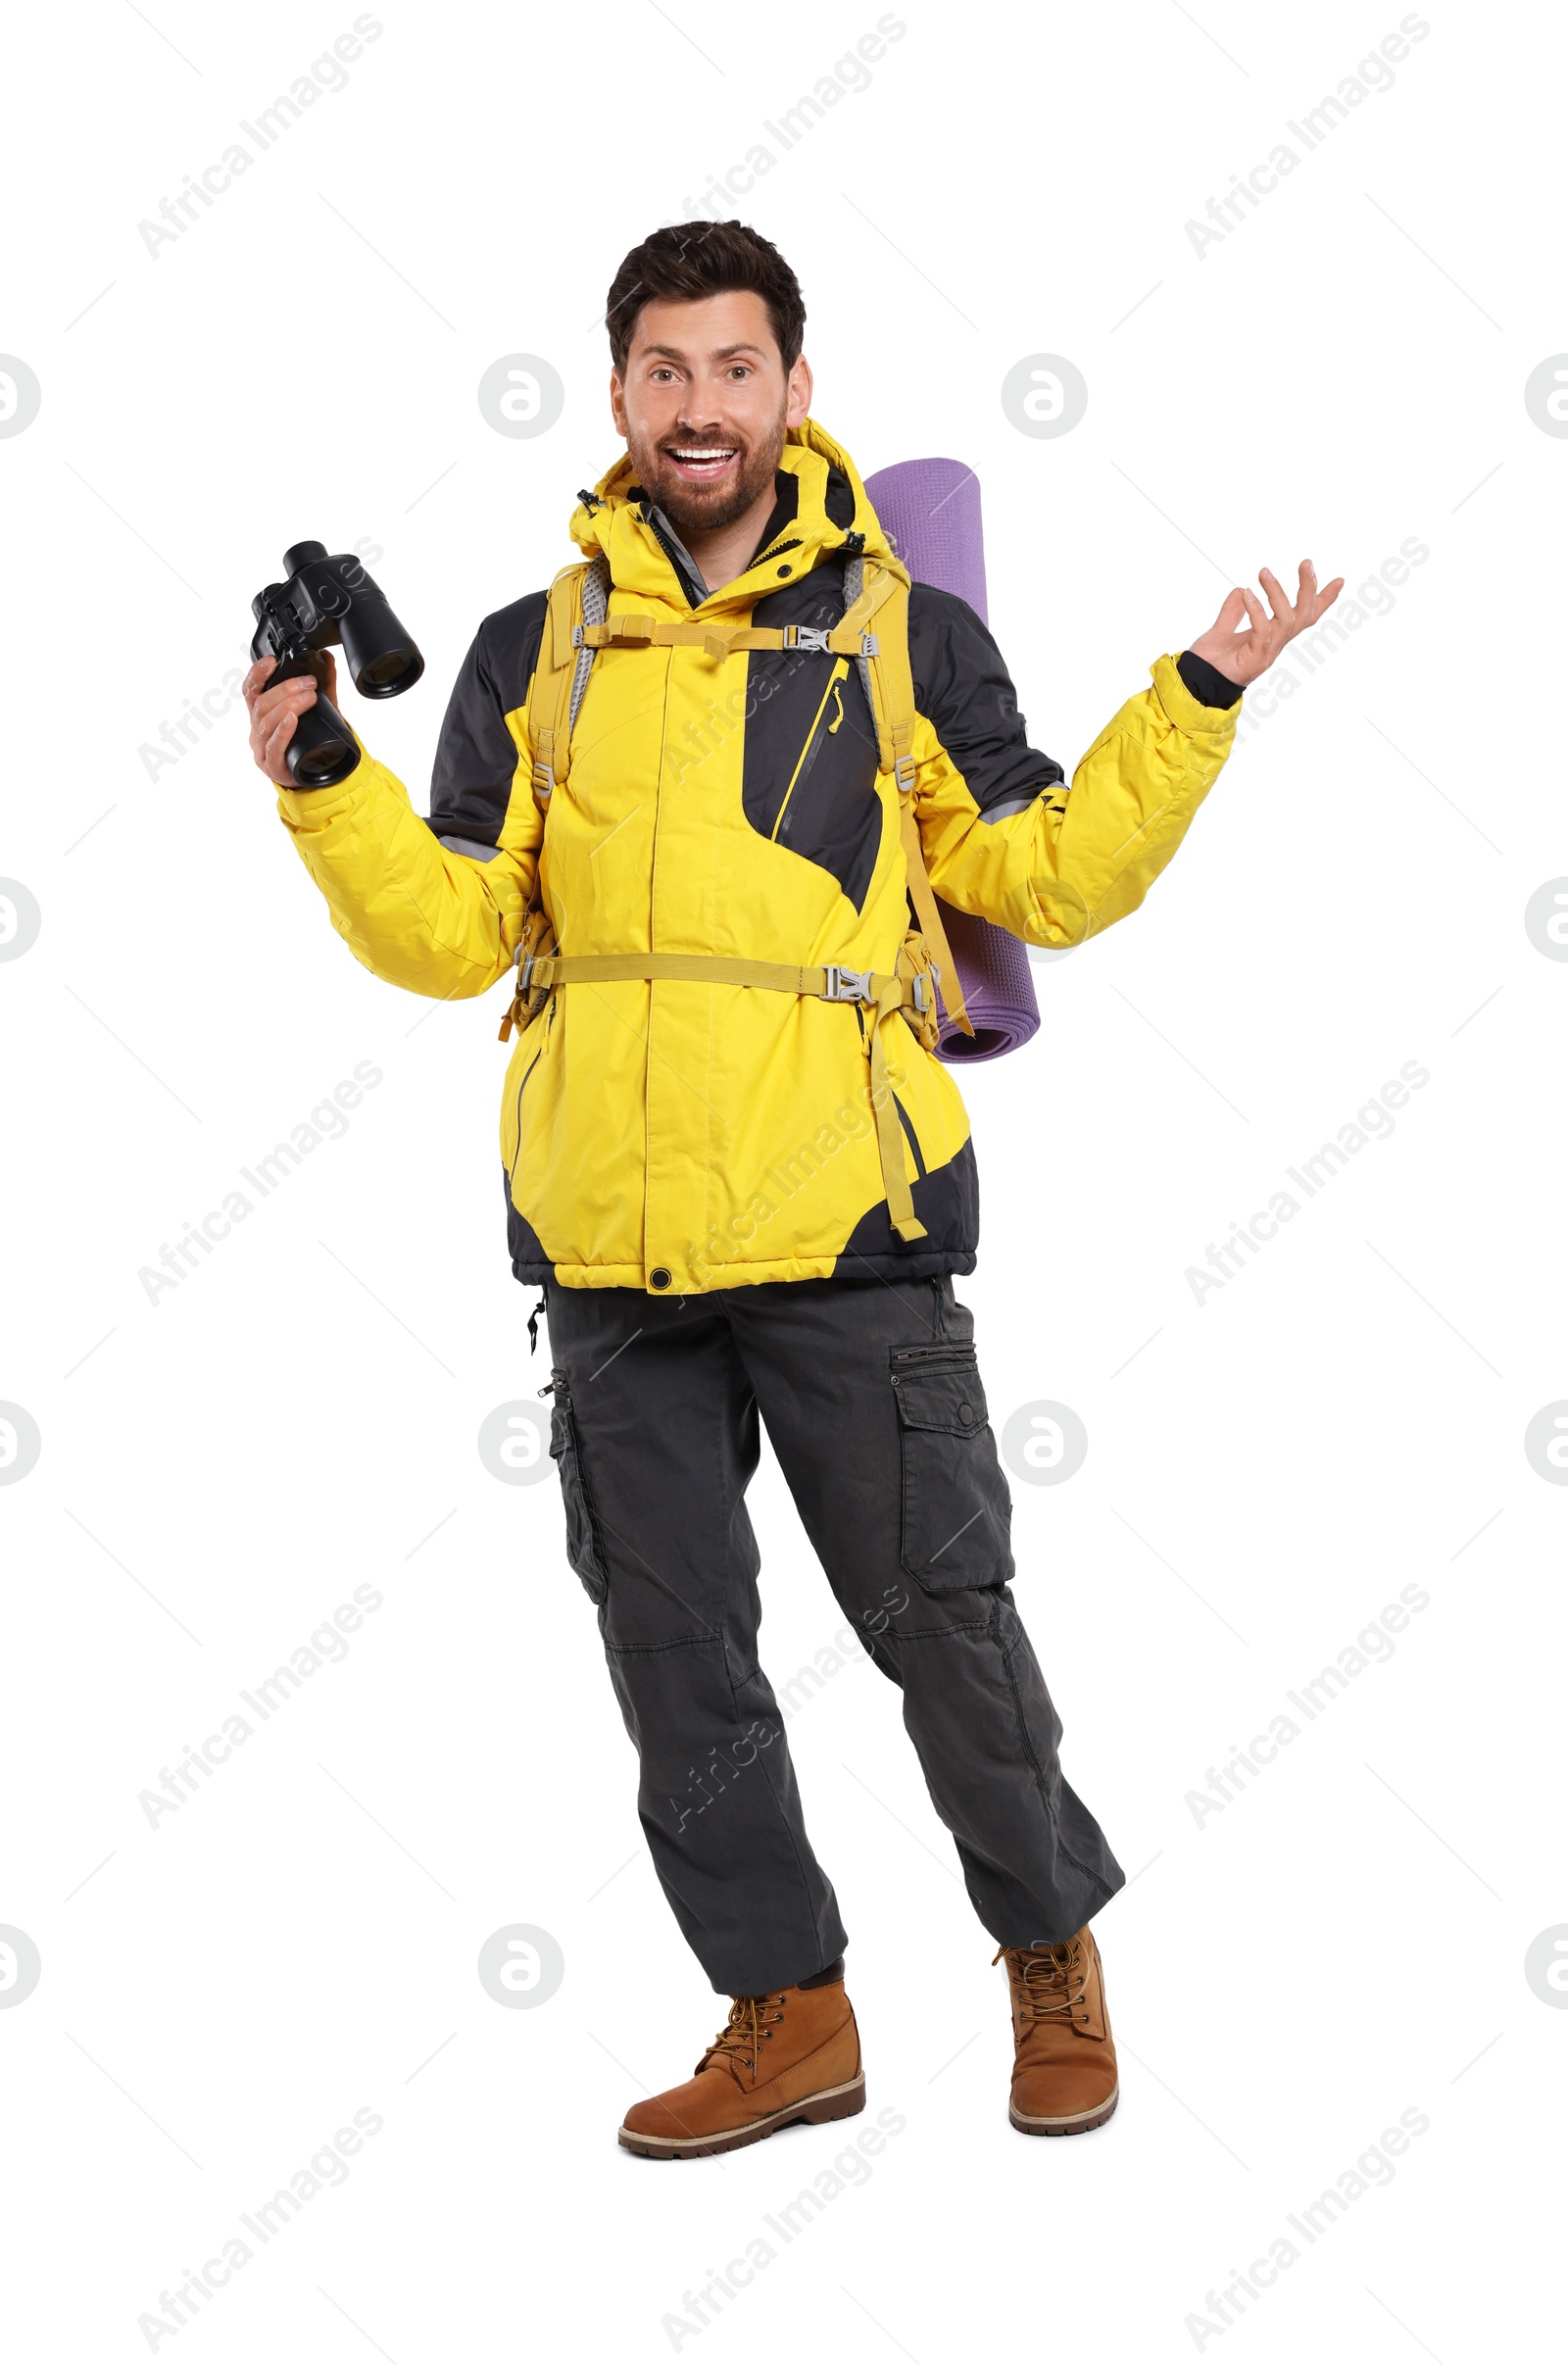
{"x": 874, "y": 1406}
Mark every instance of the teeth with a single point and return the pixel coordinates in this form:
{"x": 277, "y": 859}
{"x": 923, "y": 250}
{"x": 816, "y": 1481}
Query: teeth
{"x": 717, "y": 455}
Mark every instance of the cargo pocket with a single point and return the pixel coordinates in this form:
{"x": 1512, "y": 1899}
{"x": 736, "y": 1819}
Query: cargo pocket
{"x": 584, "y": 1549}
{"x": 957, "y": 1507}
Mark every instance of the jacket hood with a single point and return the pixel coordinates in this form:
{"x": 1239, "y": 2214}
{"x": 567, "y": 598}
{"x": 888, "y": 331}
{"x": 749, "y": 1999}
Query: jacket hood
{"x": 610, "y": 520}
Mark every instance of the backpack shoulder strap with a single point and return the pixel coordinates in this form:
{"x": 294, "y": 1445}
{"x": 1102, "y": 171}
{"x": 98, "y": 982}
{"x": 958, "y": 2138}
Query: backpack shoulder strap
{"x": 879, "y": 591}
{"x": 561, "y": 672}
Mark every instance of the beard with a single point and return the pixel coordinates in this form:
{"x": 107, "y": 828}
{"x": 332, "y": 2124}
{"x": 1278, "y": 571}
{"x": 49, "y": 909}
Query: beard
{"x": 698, "y": 509}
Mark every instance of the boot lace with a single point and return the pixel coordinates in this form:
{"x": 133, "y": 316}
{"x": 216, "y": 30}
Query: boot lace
{"x": 751, "y": 2020}
{"x": 1049, "y": 1982}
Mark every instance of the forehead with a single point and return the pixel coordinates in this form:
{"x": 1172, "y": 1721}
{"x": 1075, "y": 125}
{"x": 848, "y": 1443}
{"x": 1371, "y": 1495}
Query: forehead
{"x": 706, "y": 328}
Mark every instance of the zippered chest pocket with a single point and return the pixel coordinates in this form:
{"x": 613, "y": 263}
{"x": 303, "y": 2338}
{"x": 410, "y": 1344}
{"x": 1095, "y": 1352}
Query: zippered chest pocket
{"x": 808, "y": 762}
{"x": 828, "y": 719}
{"x": 956, "y": 1510}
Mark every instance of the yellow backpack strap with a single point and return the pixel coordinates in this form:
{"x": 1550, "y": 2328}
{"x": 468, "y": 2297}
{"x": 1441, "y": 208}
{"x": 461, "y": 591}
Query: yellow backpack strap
{"x": 852, "y": 636}
{"x": 552, "y": 698}
{"x": 718, "y": 641}
{"x": 549, "y": 721}
{"x": 889, "y": 1131}
{"x": 893, "y": 703}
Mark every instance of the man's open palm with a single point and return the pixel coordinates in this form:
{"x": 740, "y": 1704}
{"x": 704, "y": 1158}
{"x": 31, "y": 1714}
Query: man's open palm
{"x": 1241, "y": 649}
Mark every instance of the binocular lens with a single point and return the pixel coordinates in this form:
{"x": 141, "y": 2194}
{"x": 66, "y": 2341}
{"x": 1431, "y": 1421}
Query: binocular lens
{"x": 383, "y": 673}
{"x": 325, "y": 764}
{"x": 323, "y": 750}
{"x": 383, "y": 660}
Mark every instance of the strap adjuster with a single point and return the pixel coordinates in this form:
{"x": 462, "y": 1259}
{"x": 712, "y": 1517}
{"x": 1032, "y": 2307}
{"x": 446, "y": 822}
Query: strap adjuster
{"x": 904, "y": 773}
{"x": 846, "y": 985}
{"x": 543, "y": 778}
{"x": 804, "y": 636}
{"x": 525, "y": 974}
{"x": 869, "y": 645}
{"x": 920, "y": 992}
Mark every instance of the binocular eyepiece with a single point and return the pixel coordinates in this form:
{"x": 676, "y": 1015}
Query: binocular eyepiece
{"x": 329, "y": 603}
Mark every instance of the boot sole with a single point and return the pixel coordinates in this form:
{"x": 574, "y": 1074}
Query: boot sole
{"x": 1077, "y": 2122}
{"x": 833, "y": 2102}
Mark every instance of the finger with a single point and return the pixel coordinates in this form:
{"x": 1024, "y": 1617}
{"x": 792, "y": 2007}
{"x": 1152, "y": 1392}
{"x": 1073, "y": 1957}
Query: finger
{"x": 289, "y": 696}
{"x": 1306, "y": 592}
{"x": 255, "y": 680}
{"x": 1279, "y": 605}
{"x": 277, "y": 743}
{"x": 1255, "y": 612}
{"x": 1327, "y": 597}
{"x": 278, "y": 747}
{"x": 263, "y": 720}
{"x": 1230, "y": 616}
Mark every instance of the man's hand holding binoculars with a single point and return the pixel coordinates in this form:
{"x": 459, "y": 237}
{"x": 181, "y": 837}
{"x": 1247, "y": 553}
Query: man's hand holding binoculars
{"x": 298, "y": 737}
{"x": 275, "y": 712}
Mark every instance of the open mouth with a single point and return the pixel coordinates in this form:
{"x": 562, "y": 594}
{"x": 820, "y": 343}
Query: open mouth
{"x": 702, "y": 464}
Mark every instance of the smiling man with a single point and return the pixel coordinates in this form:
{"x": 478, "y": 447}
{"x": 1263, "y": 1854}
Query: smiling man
{"x": 701, "y": 792}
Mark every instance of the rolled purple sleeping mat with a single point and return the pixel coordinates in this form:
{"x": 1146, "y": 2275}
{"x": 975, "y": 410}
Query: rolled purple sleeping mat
{"x": 930, "y": 511}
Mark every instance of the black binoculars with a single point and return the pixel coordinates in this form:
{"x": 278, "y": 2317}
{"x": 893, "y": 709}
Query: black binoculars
{"x": 329, "y": 604}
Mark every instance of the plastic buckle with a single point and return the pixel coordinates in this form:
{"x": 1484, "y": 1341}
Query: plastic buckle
{"x": 576, "y": 637}
{"x": 921, "y": 993}
{"x": 869, "y": 645}
{"x": 525, "y": 974}
{"x": 846, "y": 985}
{"x": 904, "y": 773}
{"x": 803, "y": 636}
{"x": 544, "y": 780}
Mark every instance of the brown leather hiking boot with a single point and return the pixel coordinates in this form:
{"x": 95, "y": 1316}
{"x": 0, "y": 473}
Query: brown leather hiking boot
{"x": 1064, "y": 2069}
{"x": 781, "y": 2058}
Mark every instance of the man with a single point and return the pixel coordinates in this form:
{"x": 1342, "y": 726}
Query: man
{"x": 706, "y": 801}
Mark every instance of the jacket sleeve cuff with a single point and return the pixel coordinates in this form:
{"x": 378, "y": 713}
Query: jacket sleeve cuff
{"x": 1188, "y": 713}
{"x": 1207, "y": 684}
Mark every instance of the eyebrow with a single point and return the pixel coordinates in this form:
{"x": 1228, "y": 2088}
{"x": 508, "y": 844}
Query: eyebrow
{"x": 723, "y": 353}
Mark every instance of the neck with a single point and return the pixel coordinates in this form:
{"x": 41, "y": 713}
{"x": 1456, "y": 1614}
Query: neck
{"x": 724, "y": 551}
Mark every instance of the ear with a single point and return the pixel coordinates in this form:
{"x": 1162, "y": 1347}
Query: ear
{"x": 800, "y": 393}
{"x": 618, "y": 405}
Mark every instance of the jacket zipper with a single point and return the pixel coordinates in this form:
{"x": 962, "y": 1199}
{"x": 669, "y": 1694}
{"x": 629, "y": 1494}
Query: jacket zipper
{"x": 517, "y": 1115}
{"x": 665, "y": 545}
{"x": 815, "y": 737}
{"x": 912, "y": 1137}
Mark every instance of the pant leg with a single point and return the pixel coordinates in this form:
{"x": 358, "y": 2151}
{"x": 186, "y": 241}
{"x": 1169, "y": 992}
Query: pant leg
{"x": 654, "y": 1430}
{"x": 871, "y": 1396}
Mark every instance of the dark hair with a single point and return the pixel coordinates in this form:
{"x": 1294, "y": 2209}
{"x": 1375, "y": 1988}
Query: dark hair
{"x": 695, "y": 258}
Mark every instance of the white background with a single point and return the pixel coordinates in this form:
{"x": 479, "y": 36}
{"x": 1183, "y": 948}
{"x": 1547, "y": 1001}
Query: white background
{"x": 1343, "y": 1942}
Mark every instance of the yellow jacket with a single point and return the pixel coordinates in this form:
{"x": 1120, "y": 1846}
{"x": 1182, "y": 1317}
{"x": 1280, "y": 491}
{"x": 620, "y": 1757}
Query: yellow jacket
{"x": 681, "y": 1136}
